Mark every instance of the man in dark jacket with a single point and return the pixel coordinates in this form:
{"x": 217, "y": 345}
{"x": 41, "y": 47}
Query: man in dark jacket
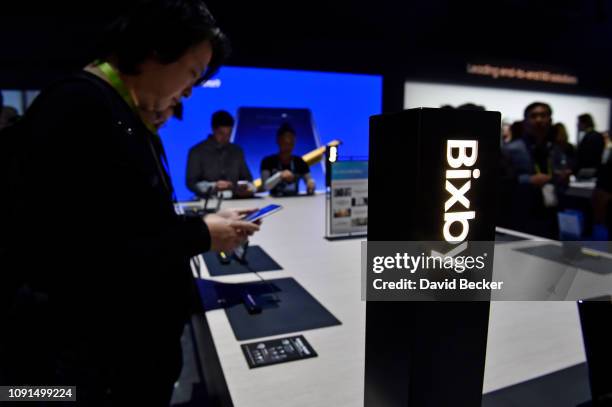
{"x": 590, "y": 148}
{"x": 216, "y": 164}
{"x": 101, "y": 252}
{"x": 602, "y": 203}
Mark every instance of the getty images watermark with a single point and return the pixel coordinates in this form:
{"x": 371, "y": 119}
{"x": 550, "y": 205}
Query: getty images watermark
{"x": 514, "y": 270}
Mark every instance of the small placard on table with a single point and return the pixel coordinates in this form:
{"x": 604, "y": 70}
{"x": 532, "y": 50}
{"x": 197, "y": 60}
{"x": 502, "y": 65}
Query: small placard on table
{"x": 276, "y": 351}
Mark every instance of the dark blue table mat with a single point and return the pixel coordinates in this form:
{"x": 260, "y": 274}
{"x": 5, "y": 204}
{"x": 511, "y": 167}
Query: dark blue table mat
{"x": 256, "y": 257}
{"x": 297, "y": 310}
{"x": 217, "y": 295}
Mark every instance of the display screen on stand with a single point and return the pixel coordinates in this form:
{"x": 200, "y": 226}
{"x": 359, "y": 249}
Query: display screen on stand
{"x": 347, "y": 204}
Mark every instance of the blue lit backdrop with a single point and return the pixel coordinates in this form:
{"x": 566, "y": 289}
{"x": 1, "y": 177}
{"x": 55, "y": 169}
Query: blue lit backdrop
{"x": 340, "y": 104}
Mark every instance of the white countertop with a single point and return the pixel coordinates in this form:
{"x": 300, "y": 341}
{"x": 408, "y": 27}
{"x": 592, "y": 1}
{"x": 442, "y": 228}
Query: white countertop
{"x": 526, "y": 339}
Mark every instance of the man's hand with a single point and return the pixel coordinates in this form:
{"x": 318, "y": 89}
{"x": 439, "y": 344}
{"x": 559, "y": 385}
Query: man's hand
{"x": 235, "y": 213}
{"x": 227, "y": 234}
{"x": 310, "y": 187}
{"x": 287, "y": 176}
{"x": 540, "y": 179}
{"x": 222, "y": 185}
{"x": 244, "y": 190}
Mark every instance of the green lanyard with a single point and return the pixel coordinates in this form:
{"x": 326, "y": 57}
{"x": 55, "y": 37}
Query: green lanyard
{"x": 113, "y": 78}
{"x": 117, "y": 83}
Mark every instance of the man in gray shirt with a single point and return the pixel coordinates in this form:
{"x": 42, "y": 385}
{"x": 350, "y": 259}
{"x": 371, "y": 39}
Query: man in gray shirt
{"x": 218, "y": 165}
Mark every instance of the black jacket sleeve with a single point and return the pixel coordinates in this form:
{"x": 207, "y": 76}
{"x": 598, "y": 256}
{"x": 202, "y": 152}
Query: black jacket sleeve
{"x": 187, "y": 237}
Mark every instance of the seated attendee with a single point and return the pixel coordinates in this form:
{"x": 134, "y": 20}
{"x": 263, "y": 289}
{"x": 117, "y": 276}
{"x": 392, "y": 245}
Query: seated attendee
{"x": 280, "y": 173}
{"x": 591, "y": 145}
{"x": 218, "y": 165}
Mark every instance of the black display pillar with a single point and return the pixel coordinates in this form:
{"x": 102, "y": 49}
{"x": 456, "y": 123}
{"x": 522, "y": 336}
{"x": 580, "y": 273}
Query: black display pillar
{"x": 427, "y": 353}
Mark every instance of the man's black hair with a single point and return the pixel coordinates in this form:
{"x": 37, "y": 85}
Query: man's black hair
{"x": 533, "y": 105}
{"x": 284, "y": 128}
{"x": 587, "y": 120}
{"x": 471, "y": 106}
{"x": 221, "y": 118}
{"x": 164, "y": 29}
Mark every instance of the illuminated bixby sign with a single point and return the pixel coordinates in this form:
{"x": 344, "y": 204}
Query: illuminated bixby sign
{"x": 461, "y": 156}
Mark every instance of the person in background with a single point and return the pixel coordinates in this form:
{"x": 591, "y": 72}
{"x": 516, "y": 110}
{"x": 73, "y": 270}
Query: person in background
{"x": 506, "y": 134}
{"x": 218, "y": 165}
{"x": 607, "y": 146}
{"x": 471, "y": 106}
{"x": 535, "y": 175}
{"x": 511, "y": 131}
{"x": 517, "y": 130}
{"x": 280, "y": 173}
{"x": 602, "y": 203}
{"x": 591, "y": 145}
{"x": 566, "y": 148}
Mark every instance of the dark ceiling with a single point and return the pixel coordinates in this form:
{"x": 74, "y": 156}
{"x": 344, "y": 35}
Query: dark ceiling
{"x": 378, "y": 36}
